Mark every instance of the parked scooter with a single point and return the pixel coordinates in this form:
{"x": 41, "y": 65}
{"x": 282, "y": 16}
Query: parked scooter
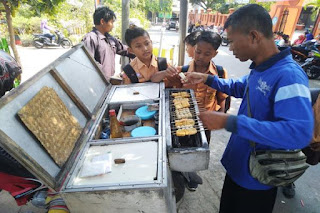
{"x": 312, "y": 65}
{"x": 300, "y": 52}
{"x": 225, "y": 41}
{"x": 40, "y": 41}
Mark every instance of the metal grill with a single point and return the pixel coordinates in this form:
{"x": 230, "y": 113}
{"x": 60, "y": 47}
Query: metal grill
{"x": 188, "y": 140}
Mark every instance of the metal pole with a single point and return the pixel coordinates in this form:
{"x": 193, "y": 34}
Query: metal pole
{"x": 183, "y": 18}
{"x": 161, "y": 37}
{"x": 125, "y": 25}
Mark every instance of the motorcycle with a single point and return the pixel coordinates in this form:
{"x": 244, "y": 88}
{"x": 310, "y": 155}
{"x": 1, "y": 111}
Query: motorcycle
{"x": 225, "y": 41}
{"x": 40, "y": 41}
{"x": 300, "y": 52}
{"x": 312, "y": 65}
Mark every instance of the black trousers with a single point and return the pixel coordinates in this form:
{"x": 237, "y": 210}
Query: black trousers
{"x": 235, "y": 199}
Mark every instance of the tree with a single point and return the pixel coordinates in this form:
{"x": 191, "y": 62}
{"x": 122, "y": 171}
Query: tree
{"x": 39, "y": 6}
{"x": 154, "y": 6}
{"x": 206, "y": 4}
{"x": 315, "y": 3}
{"x": 266, "y": 5}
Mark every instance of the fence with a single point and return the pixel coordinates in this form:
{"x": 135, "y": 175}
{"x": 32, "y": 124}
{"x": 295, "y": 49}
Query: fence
{"x": 208, "y": 18}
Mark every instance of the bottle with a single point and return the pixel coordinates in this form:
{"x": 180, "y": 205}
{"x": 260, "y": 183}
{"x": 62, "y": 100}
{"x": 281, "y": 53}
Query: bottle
{"x": 115, "y": 127}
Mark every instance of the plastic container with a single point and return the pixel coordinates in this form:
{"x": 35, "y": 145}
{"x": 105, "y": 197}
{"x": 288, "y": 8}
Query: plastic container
{"x": 143, "y": 131}
{"x": 131, "y": 122}
{"x": 144, "y": 114}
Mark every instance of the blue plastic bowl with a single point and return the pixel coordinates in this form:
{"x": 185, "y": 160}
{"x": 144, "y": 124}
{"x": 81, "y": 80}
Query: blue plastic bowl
{"x": 144, "y": 114}
{"x": 143, "y": 131}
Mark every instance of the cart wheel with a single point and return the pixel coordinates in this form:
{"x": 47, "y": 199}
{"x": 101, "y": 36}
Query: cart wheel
{"x": 178, "y": 183}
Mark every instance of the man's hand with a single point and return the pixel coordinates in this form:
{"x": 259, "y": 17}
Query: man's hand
{"x": 195, "y": 78}
{"x": 213, "y": 120}
{"x": 171, "y": 71}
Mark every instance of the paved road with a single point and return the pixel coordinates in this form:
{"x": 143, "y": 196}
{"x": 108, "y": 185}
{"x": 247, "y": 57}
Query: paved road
{"x": 206, "y": 198}
{"x": 33, "y": 60}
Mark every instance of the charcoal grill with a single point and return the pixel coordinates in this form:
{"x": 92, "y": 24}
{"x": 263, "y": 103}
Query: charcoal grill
{"x": 190, "y": 148}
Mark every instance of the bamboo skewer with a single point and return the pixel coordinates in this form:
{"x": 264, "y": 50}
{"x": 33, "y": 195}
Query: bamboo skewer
{"x": 196, "y": 127}
{"x": 195, "y": 119}
{"x": 174, "y": 132}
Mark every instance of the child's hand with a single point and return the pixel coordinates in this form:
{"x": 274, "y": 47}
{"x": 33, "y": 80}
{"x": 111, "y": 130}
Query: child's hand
{"x": 194, "y": 78}
{"x": 171, "y": 71}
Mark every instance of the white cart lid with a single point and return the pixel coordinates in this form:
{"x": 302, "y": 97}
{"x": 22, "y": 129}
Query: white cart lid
{"x": 141, "y": 164}
{"x": 134, "y": 92}
{"x": 80, "y": 84}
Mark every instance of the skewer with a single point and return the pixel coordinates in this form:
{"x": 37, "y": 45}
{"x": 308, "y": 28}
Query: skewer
{"x": 194, "y": 114}
{"x": 196, "y": 127}
{"x": 174, "y": 132}
{"x": 195, "y": 119}
{"x": 191, "y": 103}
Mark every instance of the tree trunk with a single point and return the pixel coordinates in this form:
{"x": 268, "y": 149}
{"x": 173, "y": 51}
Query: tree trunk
{"x": 11, "y": 33}
{"x": 153, "y": 17}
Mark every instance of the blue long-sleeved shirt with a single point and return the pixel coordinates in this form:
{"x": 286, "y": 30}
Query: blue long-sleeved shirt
{"x": 281, "y": 111}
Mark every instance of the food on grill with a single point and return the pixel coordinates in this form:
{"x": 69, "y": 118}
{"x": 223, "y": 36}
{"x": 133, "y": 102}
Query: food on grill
{"x": 179, "y": 99}
{"x": 181, "y": 104}
{"x": 180, "y": 94}
{"x": 183, "y": 113}
{"x": 184, "y": 122}
{"x": 180, "y": 133}
{"x": 184, "y": 132}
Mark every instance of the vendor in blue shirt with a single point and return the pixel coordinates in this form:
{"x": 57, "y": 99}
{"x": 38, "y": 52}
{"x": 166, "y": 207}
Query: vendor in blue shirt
{"x": 280, "y": 105}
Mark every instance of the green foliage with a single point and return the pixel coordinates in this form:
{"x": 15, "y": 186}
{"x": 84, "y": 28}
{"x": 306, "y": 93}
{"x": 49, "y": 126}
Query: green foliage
{"x": 265, "y": 5}
{"x": 26, "y": 40}
{"x": 71, "y": 17}
{"x": 45, "y": 6}
{"x": 224, "y": 8}
{"x": 137, "y": 13}
{"x": 39, "y": 6}
{"x": 164, "y": 6}
{"x": 314, "y": 3}
{"x": 73, "y": 20}
{"x": 75, "y": 39}
{"x": 213, "y": 4}
{"x": 26, "y": 25}
{"x": 138, "y": 4}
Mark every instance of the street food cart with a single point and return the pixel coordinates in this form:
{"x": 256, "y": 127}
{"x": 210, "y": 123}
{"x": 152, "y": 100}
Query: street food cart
{"x": 52, "y": 125}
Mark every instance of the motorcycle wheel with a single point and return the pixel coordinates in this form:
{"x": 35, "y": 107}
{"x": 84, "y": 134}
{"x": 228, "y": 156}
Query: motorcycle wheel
{"x": 311, "y": 72}
{"x": 66, "y": 43}
{"x": 299, "y": 59}
{"x": 37, "y": 43}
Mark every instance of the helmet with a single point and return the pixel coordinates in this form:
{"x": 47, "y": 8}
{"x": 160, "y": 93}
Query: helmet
{"x": 9, "y": 70}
